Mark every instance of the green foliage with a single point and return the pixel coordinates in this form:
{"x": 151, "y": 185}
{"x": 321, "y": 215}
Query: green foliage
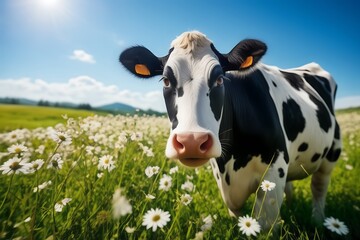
{"x": 135, "y": 143}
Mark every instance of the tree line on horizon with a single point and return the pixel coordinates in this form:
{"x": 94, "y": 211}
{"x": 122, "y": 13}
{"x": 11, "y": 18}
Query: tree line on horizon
{"x": 45, "y": 103}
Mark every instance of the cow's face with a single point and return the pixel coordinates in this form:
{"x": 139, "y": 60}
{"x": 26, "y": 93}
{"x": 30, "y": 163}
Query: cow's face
{"x": 193, "y": 76}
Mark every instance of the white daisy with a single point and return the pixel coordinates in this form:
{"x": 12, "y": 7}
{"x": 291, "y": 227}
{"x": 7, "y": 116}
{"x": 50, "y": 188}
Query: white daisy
{"x": 36, "y": 165}
{"x": 335, "y": 225}
{"x": 248, "y": 226}
{"x": 188, "y": 186}
{"x": 165, "y": 183}
{"x": 106, "y": 162}
{"x": 61, "y": 137}
{"x": 208, "y": 222}
{"x": 267, "y": 186}
{"x": 15, "y": 165}
{"x": 130, "y": 229}
{"x": 42, "y": 186}
{"x": 185, "y": 199}
{"x": 349, "y": 167}
{"x": 174, "y": 170}
{"x": 155, "y": 218}
{"x": 60, "y": 205}
{"x": 120, "y": 205}
{"x": 151, "y": 170}
{"x": 17, "y": 148}
{"x": 150, "y": 197}
{"x": 55, "y": 162}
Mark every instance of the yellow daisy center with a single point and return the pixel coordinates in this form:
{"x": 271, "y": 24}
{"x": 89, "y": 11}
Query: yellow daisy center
{"x": 156, "y": 218}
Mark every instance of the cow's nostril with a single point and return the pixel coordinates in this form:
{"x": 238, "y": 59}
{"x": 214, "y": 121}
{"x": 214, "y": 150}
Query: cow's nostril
{"x": 206, "y": 145}
{"x": 177, "y": 144}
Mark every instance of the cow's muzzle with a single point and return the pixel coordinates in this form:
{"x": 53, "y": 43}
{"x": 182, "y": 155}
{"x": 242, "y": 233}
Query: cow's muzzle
{"x": 193, "y": 148}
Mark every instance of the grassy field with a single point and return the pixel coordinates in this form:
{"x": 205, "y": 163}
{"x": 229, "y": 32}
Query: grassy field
{"x": 74, "y": 192}
{"x": 21, "y": 116}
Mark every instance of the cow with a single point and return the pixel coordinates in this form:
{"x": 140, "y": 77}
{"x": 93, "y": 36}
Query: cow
{"x": 251, "y": 121}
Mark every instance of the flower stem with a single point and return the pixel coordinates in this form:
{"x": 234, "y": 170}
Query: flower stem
{"x": 8, "y": 190}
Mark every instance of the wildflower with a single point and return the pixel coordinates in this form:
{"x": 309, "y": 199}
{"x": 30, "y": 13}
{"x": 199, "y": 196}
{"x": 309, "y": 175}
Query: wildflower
{"x": 150, "y": 197}
{"x": 335, "y": 225}
{"x": 42, "y": 186}
{"x": 267, "y": 186}
{"x": 55, "y": 162}
{"x": 248, "y": 226}
{"x": 349, "y": 167}
{"x": 199, "y": 236}
{"x": 14, "y": 165}
{"x": 155, "y": 218}
{"x": 60, "y": 205}
{"x": 61, "y": 137}
{"x": 174, "y": 170}
{"x": 40, "y": 149}
{"x": 208, "y": 222}
{"x": 185, "y": 199}
{"x": 150, "y": 171}
{"x": 35, "y": 165}
{"x": 120, "y": 205}
{"x": 100, "y": 175}
{"x": 165, "y": 183}
{"x": 130, "y": 229}
{"x": 188, "y": 186}
{"x": 106, "y": 162}
{"x": 17, "y": 149}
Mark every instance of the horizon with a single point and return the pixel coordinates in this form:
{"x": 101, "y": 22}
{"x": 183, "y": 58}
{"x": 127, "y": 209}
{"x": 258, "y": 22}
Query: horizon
{"x": 67, "y": 51}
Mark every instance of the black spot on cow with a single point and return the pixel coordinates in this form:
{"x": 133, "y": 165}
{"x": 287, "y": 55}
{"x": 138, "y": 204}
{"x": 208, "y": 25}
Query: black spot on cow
{"x": 281, "y": 172}
{"x": 322, "y": 87}
{"x": 333, "y": 154}
{"x": 221, "y": 164}
{"x": 274, "y": 84}
{"x": 217, "y": 176}
{"x": 227, "y": 178}
{"x": 337, "y": 131}
{"x": 180, "y": 91}
{"x": 294, "y": 121}
{"x": 294, "y": 79}
{"x": 303, "y": 147}
{"x": 315, "y": 157}
{"x": 241, "y": 161}
{"x": 325, "y": 152}
{"x": 170, "y": 97}
{"x": 322, "y": 114}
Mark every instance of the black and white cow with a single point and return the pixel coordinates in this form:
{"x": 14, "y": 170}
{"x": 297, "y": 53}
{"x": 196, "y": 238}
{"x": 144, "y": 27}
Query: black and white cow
{"x": 251, "y": 120}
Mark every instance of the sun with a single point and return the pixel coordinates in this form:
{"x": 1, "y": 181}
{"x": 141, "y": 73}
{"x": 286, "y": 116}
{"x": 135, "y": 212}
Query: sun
{"x": 48, "y": 4}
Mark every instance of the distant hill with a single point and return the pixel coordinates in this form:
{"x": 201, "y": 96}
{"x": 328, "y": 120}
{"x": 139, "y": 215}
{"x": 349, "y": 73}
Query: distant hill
{"x": 117, "y": 107}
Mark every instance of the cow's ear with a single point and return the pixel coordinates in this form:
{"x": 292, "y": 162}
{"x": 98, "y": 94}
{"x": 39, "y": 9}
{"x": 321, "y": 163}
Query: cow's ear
{"x": 141, "y": 62}
{"x": 244, "y": 55}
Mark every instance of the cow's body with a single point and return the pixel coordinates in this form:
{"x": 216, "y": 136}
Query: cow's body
{"x": 252, "y": 120}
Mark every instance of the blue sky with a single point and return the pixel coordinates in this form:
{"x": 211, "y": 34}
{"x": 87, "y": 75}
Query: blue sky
{"x": 67, "y": 50}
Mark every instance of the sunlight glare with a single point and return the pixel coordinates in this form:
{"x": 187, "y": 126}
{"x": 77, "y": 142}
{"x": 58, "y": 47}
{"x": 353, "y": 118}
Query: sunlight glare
{"x": 48, "y": 4}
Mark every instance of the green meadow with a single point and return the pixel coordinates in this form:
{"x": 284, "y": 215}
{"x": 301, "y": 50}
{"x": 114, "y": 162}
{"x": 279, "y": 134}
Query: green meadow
{"x": 93, "y": 176}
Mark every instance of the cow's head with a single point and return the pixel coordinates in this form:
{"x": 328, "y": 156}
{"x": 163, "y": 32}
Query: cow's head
{"x": 193, "y": 73}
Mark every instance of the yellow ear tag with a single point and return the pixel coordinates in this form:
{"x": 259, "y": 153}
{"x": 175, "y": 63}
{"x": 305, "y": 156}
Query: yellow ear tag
{"x": 248, "y": 62}
{"x": 142, "y": 69}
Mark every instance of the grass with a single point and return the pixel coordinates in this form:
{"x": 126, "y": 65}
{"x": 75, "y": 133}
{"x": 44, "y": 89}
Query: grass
{"x": 135, "y": 143}
{"x": 21, "y": 116}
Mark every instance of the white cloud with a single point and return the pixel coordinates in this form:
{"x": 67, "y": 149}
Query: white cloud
{"x": 81, "y": 89}
{"x": 82, "y": 56}
{"x": 346, "y": 102}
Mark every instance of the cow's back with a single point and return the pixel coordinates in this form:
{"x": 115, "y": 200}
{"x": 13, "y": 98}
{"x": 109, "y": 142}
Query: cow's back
{"x": 304, "y": 99}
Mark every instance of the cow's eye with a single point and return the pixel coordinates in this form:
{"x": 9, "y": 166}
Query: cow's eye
{"x": 219, "y": 81}
{"x": 166, "y": 82}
